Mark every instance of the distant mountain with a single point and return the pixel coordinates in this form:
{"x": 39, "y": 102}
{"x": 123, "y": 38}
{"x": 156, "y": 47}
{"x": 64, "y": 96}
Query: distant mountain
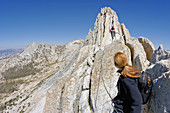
{"x": 7, "y": 52}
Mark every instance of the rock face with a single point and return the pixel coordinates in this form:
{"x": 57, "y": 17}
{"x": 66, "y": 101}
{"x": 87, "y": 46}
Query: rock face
{"x": 74, "y": 77}
{"x": 26, "y": 76}
{"x": 73, "y": 92}
{"x": 160, "y": 72}
{"x": 104, "y": 73}
{"x": 148, "y": 47}
{"x": 101, "y": 35}
{"x": 160, "y": 54}
{"x": 82, "y": 88}
{"x": 139, "y": 59}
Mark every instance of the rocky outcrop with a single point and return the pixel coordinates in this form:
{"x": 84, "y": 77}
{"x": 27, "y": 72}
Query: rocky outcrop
{"x": 101, "y": 35}
{"x": 40, "y": 55}
{"x": 29, "y": 50}
{"x": 26, "y": 77}
{"x": 82, "y": 88}
{"x": 76, "y": 75}
{"x": 160, "y": 72}
{"x": 104, "y": 74}
{"x": 160, "y": 54}
{"x": 139, "y": 57}
{"x": 148, "y": 47}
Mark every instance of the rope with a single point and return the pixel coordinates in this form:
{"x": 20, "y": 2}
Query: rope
{"x": 114, "y": 109}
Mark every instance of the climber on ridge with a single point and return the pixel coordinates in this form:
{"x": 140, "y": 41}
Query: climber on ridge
{"x": 112, "y": 31}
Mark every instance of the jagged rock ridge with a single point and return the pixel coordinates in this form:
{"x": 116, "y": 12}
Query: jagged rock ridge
{"x": 77, "y": 85}
{"x": 82, "y": 89}
{"x": 22, "y": 75}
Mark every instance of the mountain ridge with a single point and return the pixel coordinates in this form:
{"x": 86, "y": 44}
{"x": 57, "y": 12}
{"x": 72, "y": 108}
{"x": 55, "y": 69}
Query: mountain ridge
{"x": 69, "y": 76}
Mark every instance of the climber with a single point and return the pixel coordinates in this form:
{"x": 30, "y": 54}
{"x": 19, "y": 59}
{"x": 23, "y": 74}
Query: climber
{"x": 112, "y": 31}
{"x": 128, "y": 99}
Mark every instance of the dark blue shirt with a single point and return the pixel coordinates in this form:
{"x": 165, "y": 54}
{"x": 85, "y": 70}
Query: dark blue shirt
{"x": 128, "y": 99}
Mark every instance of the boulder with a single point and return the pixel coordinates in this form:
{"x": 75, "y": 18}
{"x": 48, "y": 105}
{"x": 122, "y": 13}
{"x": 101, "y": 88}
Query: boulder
{"x": 139, "y": 59}
{"x": 148, "y": 47}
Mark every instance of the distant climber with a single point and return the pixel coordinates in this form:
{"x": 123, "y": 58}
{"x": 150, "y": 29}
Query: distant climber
{"x": 112, "y": 31}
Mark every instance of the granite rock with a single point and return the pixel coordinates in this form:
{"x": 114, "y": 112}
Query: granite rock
{"x": 148, "y": 47}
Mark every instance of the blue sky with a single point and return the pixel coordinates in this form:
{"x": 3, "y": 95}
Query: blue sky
{"x": 62, "y": 21}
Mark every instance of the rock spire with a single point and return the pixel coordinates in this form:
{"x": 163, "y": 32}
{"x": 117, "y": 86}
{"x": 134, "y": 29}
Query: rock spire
{"x": 80, "y": 66}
